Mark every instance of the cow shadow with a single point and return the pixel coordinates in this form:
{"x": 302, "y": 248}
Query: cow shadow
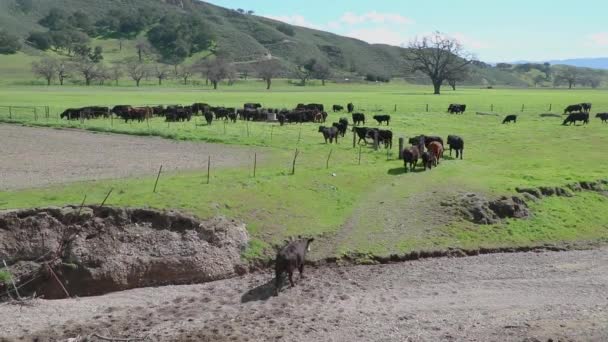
{"x": 259, "y": 293}
{"x": 401, "y": 171}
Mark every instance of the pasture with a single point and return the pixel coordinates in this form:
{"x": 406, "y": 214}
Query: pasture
{"x": 371, "y": 206}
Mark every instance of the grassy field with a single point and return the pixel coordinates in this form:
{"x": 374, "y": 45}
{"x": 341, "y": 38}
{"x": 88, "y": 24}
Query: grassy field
{"x": 369, "y": 208}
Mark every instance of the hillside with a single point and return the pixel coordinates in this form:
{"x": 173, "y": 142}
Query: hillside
{"x": 245, "y": 38}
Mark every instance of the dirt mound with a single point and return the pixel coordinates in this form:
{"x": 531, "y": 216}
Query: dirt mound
{"x": 477, "y": 209}
{"x": 95, "y": 250}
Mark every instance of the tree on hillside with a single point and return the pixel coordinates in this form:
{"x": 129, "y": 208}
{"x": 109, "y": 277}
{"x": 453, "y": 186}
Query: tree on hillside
{"x": 569, "y": 75}
{"x": 438, "y": 57}
{"x": 137, "y": 70}
{"x": 116, "y": 72}
{"x": 591, "y": 79}
{"x": 177, "y": 37}
{"x": 81, "y": 20}
{"x": 40, "y": 40}
{"x": 9, "y": 43}
{"x": 56, "y": 20}
{"x": 267, "y": 70}
{"x": 538, "y": 79}
{"x": 161, "y": 72}
{"x": 321, "y": 71}
{"x": 45, "y": 68}
{"x": 103, "y": 73}
{"x": 219, "y": 69}
{"x": 304, "y": 70}
{"x": 456, "y": 76}
{"x": 143, "y": 48}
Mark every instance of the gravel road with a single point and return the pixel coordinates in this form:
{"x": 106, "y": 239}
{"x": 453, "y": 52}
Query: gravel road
{"x": 35, "y": 157}
{"x": 552, "y": 296}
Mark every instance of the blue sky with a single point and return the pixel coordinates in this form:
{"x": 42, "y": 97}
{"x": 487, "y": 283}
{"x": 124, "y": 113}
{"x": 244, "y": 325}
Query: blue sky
{"x": 494, "y": 31}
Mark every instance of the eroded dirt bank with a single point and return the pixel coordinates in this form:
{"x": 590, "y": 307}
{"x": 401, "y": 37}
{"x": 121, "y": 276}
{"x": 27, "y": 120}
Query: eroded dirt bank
{"x": 499, "y": 297}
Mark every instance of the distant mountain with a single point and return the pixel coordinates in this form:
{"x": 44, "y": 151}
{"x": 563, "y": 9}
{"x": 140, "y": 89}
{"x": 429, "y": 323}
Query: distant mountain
{"x": 594, "y": 63}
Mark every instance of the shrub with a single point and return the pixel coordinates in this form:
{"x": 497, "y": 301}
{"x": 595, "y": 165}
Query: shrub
{"x": 286, "y": 29}
{"x": 9, "y": 43}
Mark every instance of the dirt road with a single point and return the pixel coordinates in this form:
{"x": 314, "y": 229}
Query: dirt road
{"x": 501, "y": 297}
{"x": 34, "y": 157}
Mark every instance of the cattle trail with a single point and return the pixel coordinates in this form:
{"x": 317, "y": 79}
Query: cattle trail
{"x": 36, "y": 157}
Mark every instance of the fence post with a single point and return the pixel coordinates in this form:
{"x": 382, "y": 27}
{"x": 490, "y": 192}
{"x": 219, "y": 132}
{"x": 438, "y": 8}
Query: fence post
{"x": 401, "y": 141}
{"x": 105, "y": 199}
{"x": 255, "y": 163}
{"x": 293, "y": 165}
{"x": 157, "y": 177}
{"x": 354, "y": 138}
{"x": 35, "y": 114}
{"x": 395, "y": 108}
{"x": 10, "y": 112}
{"x": 522, "y": 108}
{"x": 427, "y": 107}
{"x": 271, "y": 130}
{"x": 208, "y": 168}
{"x": 328, "y": 156}
{"x": 550, "y": 106}
{"x": 359, "y": 154}
{"x": 491, "y": 107}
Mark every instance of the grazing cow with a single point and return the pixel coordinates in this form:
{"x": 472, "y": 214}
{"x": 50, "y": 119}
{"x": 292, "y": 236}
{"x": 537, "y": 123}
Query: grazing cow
{"x": 344, "y": 125}
{"x": 121, "y": 110}
{"x": 232, "y": 116}
{"x": 427, "y": 139}
{"x": 95, "y": 111}
{"x": 573, "y": 108}
{"x": 574, "y": 117}
{"x": 71, "y": 114}
{"x": 382, "y": 118}
{"x": 361, "y": 133}
{"x": 337, "y": 108}
{"x": 350, "y": 107}
{"x": 457, "y": 143}
{"x": 252, "y": 106}
{"x": 457, "y": 108}
{"x": 436, "y": 149}
{"x": 586, "y": 107}
{"x": 203, "y": 108}
{"x": 329, "y": 133}
{"x": 428, "y": 160}
{"x": 178, "y": 113}
{"x": 341, "y": 128}
{"x": 140, "y": 114}
{"x": 281, "y": 118}
{"x": 602, "y": 116}
{"x": 358, "y": 118}
{"x": 510, "y": 118}
{"x": 412, "y": 154}
{"x": 208, "y": 117}
{"x": 290, "y": 258}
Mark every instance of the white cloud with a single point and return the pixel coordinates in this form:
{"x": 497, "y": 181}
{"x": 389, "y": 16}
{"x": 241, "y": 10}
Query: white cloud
{"x": 378, "y": 35}
{"x": 351, "y": 18}
{"x": 295, "y": 19}
{"x": 598, "y": 39}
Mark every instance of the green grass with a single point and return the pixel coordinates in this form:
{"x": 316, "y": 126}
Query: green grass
{"x": 5, "y": 277}
{"x": 372, "y": 207}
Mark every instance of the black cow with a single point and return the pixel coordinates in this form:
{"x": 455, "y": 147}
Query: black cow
{"x": 350, "y": 107}
{"x": 329, "y": 133}
{"x": 281, "y": 118}
{"x": 200, "y": 107}
{"x": 586, "y": 107}
{"x": 208, "y": 117}
{"x": 574, "y": 117}
{"x": 232, "y": 116}
{"x": 510, "y": 118}
{"x": 457, "y": 108}
{"x": 457, "y": 143}
{"x": 337, "y": 108}
{"x": 382, "y": 118}
{"x": 71, "y": 114}
{"x": 573, "y": 108}
{"x": 385, "y": 137}
{"x": 252, "y": 106}
{"x": 121, "y": 110}
{"x": 96, "y": 111}
{"x": 358, "y": 118}
{"x": 361, "y": 133}
{"x": 290, "y": 258}
{"x": 428, "y": 160}
{"x": 602, "y": 116}
{"x": 413, "y": 153}
{"x": 427, "y": 139}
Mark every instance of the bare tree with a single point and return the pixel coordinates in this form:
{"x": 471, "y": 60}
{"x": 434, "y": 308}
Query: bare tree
{"x": 137, "y": 70}
{"x": 459, "y": 75}
{"x": 116, "y": 72}
{"x": 64, "y": 71}
{"x": 438, "y": 57}
{"x": 103, "y": 73}
{"x": 161, "y": 71}
{"x": 184, "y": 72}
{"x": 143, "y": 48}
{"x": 45, "y": 68}
{"x": 204, "y": 67}
{"x": 267, "y": 70}
{"x": 87, "y": 69}
{"x": 304, "y": 70}
{"x": 219, "y": 69}
{"x": 321, "y": 71}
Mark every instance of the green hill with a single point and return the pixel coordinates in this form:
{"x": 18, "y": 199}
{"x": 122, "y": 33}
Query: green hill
{"x": 243, "y": 37}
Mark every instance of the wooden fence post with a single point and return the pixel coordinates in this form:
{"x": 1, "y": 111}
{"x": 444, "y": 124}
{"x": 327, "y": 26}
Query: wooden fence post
{"x": 491, "y": 107}
{"x": 10, "y": 112}
{"x": 427, "y": 107}
{"x": 395, "y": 108}
{"x": 208, "y": 168}
{"x": 293, "y": 165}
{"x": 354, "y": 138}
{"x": 401, "y": 141}
{"x": 157, "y": 177}
{"x": 550, "y": 105}
{"x": 255, "y": 163}
{"x": 328, "y": 156}
{"x": 359, "y": 154}
{"x": 523, "y": 107}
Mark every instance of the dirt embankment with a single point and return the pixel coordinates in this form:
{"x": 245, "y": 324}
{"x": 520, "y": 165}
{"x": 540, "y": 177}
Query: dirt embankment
{"x": 34, "y": 157}
{"x": 94, "y": 250}
{"x": 532, "y": 297}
